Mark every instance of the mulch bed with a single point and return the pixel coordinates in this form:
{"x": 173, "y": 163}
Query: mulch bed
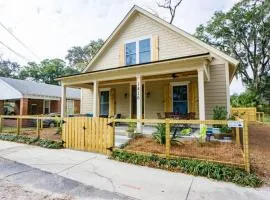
{"x": 215, "y": 151}
{"x": 259, "y": 137}
{"x": 45, "y": 133}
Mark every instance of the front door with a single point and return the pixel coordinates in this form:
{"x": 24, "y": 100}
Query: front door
{"x": 180, "y": 100}
{"x": 134, "y": 101}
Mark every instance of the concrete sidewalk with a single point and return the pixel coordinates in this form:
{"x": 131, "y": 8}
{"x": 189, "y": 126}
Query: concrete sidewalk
{"x": 134, "y": 181}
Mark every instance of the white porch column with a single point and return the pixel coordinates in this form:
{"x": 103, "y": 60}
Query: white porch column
{"x": 63, "y": 101}
{"x": 95, "y": 99}
{"x": 201, "y": 94}
{"x": 139, "y": 102}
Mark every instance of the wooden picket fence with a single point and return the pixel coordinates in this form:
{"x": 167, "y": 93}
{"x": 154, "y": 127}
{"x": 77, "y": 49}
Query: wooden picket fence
{"x": 88, "y": 134}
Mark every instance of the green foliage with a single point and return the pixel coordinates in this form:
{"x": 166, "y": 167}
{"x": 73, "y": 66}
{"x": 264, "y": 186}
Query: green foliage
{"x": 32, "y": 140}
{"x": 131, "y": 127}
{"x": 194, "y": 167}
{"x": 245, "y": 99}
{"x": 220, "y": 113}
{"x": 203, "y": 131}
{"x": 8, "y": 68}
{"x": 160, "y": 134}
{"x": 186, "y": 131}
{"x": 46, "y": 71}
{"x": 79, "y": 57}
{"x": 243, "y": 32}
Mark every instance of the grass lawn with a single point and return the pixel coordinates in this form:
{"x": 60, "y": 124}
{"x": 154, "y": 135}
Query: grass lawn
{"x": 267, "y": 118}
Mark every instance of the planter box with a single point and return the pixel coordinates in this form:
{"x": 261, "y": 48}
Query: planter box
{"x": 216, "y": 130}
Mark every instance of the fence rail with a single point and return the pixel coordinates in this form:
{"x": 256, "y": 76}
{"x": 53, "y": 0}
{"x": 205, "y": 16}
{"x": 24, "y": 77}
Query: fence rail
{"x": 31, "y": 125}
{"x": 249, "y": 114}
{"x": 170, "y": 150}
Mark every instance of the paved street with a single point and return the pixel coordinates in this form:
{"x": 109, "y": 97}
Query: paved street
{"x": 72, "y": 174}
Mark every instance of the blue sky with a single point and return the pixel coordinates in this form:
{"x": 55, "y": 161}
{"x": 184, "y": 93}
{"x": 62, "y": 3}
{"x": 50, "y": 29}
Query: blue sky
{"x": 51, "y": 27}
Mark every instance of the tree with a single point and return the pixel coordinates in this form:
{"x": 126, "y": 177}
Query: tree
{"x": 245, "y": 99}
{"x": 243, "y": 32}
{"x": 79, "y": 57}
{"x": 171, "y": 6}
{"x": 46, "y": 71}
{"x": 8, "y": 68}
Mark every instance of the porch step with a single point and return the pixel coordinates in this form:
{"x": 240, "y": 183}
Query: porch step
{"x": 119, "y": 140}
{"x": 121, "y": 131}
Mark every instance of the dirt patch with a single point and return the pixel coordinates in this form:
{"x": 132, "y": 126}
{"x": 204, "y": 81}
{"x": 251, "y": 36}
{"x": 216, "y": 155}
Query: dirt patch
{"x": 216, "y": 151}
{"x": 259, "y": 137}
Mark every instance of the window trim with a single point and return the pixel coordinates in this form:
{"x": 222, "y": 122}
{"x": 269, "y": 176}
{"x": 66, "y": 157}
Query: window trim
{"x": 104, "y": 90}
{"x": 136, "y": 40}
{"x": 183, "y": 83}
{"x": 45, "y": 104}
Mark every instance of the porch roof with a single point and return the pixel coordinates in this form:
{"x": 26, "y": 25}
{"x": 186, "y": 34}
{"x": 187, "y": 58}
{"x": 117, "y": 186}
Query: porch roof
{"x": 179, "y": 64}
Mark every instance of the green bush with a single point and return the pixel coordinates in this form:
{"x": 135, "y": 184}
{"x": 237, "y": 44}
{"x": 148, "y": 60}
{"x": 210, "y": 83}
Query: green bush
{"x": 194, "y": 167}
{"x": 160, "y": 134}
{"x": 32, "y": 140}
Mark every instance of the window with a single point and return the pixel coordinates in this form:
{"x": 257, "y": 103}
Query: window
{"x": 180, "y": 103}
{"x": 144, "y": 51}
{"x": 70, "y": 107}
{"x": 104, "y": 103}
{"x": 138, "y": 51}
{"x": 46, "y": 106}
{"x": 131, "y": 53}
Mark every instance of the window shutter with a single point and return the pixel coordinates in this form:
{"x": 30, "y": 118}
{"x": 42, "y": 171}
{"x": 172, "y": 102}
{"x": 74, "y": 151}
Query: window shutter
{"x": 167, "y": 98}
{"x": 112, "y": 102}
{"x": 122, "y": 55}
{"x": 193, "y": 97}
{"x": 155, "y": 48}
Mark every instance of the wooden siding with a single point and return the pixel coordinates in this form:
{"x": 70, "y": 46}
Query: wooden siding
{"x": 215, "y": 90}
{"x": 86, "y": 101}
{"x": 171, "y": 44}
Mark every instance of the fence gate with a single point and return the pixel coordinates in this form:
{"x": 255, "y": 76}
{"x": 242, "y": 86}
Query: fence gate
{"x": 88, "y": 134}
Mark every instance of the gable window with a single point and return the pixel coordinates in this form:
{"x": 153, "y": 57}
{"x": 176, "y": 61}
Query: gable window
{"x": 138, "y": 51}
{"x": 144, "y": 51}
{"x": 131, "y": 53}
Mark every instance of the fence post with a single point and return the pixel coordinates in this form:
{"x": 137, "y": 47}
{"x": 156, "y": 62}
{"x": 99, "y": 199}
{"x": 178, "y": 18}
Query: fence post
{"x": 18, "y": 125}
{"x": 246, "y": 146}
{"x": 237, "y": 136}
{"x": 1, "y": 124}
{"x": 38, "y": 126}
{"x": 168, "y": 137}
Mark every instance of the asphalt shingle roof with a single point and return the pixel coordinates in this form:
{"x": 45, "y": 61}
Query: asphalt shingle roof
{"x": 32, "y": 88}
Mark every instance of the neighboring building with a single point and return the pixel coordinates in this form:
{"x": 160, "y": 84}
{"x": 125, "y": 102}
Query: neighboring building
{"x": 22, "y": 97}
{"x": 148, "y": 67}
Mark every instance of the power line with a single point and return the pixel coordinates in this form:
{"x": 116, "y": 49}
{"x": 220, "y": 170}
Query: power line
{"x": 18, "y": 54}
{"x": 18, "y": 40}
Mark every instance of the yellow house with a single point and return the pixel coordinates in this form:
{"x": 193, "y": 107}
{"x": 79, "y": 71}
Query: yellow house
{"x": 148, "y": 67}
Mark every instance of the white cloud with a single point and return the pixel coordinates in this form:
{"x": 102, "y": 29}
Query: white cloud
{"x": 51, "y": 27}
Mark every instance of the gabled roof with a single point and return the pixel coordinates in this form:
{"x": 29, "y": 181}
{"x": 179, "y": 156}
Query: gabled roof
{"x": 136, "y": 9}
{"x": 31, "y": 88}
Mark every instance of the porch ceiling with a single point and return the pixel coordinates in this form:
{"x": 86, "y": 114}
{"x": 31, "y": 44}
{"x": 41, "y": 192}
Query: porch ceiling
{"x": 184, "y": 66}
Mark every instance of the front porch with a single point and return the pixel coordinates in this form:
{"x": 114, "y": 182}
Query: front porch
{"x": 144, "y": 91}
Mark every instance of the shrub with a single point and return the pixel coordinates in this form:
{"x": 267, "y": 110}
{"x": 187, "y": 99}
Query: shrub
{"x": 160, "y": 134}
{"x": 194, "y": 167}
{"x": 32, "y": 140}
